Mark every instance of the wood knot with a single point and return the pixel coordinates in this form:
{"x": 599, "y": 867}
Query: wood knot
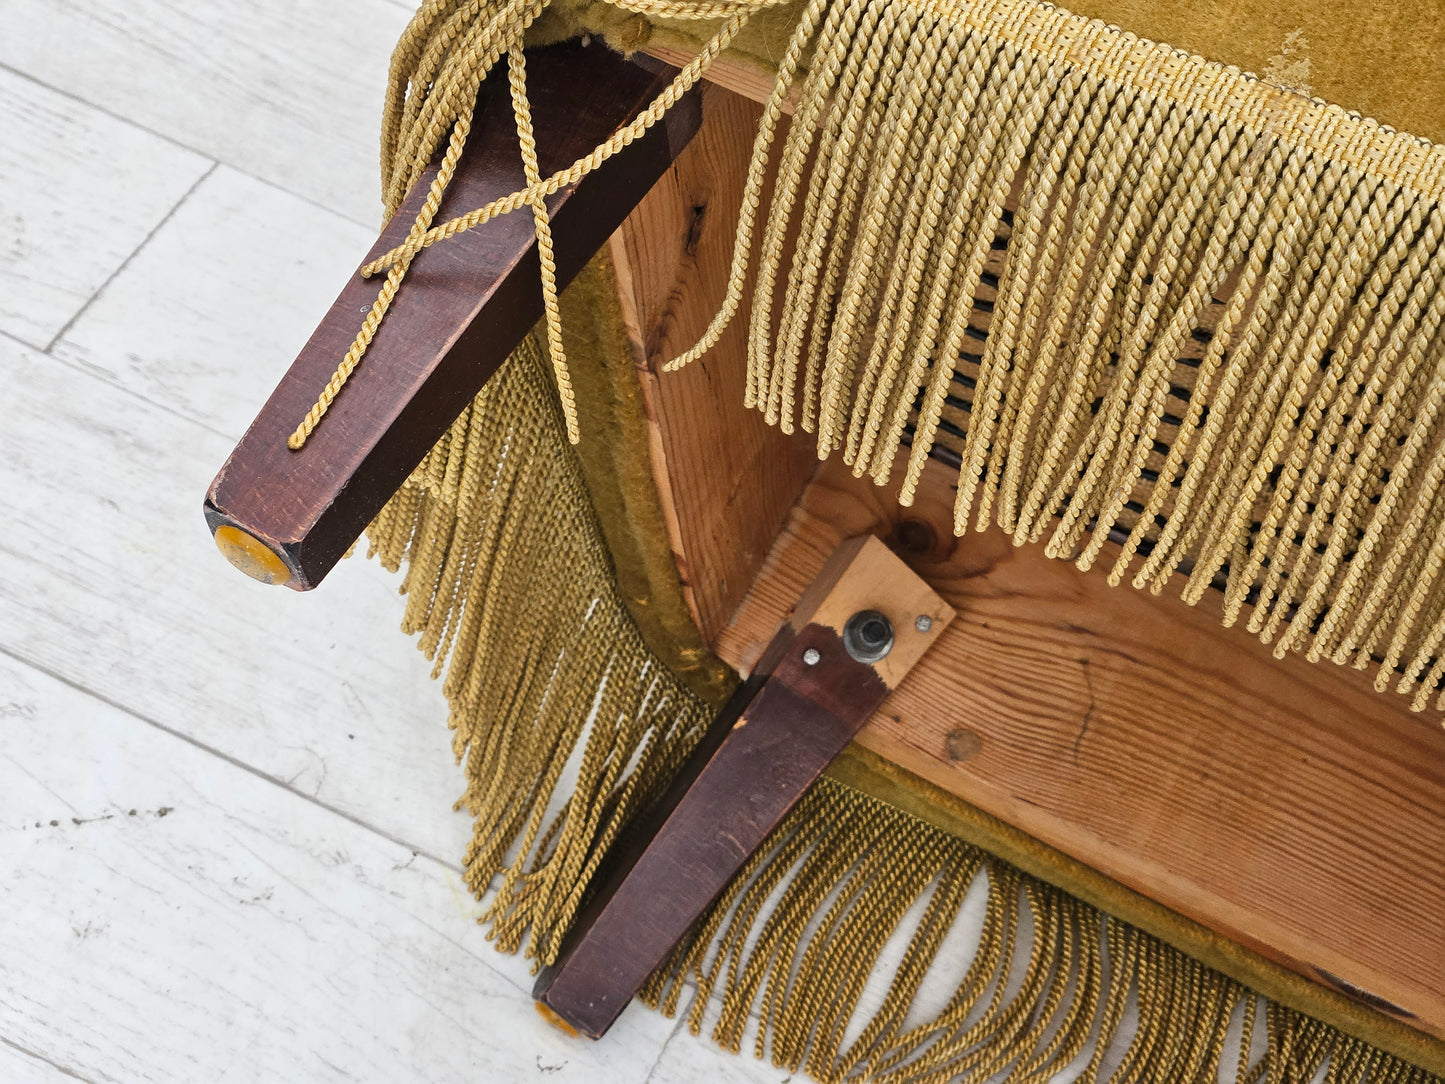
{"x": 962, "y": 744}
{"x": 919, "y": 540}
{"x": 695, "y": 222}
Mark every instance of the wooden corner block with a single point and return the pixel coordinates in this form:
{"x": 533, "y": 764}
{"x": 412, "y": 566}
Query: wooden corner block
{"x": 864, "y": 574}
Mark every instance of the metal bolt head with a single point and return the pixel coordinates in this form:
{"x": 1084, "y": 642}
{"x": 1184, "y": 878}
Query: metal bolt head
{"x": 923, "y": 623}
{"x": 811, "y": 657}
{"x": 868, "y": 636}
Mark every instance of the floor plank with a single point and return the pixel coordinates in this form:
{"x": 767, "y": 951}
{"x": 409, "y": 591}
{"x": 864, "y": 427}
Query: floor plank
{"x": 206, "y": 318}
{"x": 82, "y": 191}
{"x": 111, "y": 582}
{"x": 686, "y": 1059}
{"x": 289, "y": 90}
{"x": 173, "y": 917}
{"x": 275, "y": 922}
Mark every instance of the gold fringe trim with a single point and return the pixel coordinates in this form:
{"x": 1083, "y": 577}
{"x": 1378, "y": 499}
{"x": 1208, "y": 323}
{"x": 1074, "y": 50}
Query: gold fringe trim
{"x": 1053, "y": 985}
{"x": 568, "y": 726}
{"x": 1139, "y": 298}
{"x": 437, "y": 69}
{"x": 565, "y": 721}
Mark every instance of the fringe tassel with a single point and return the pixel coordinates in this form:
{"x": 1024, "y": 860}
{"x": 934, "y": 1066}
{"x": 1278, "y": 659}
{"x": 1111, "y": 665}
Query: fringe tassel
{"x": 566, "y": 723}
{"x": 1053, "y": 985}
{"x": 1136, "y": 296}
{"x": 567, "y": 726}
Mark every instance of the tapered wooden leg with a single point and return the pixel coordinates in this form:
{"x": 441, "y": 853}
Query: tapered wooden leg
{"x": 288, "y": 516}
{"x": 853, "y": 636}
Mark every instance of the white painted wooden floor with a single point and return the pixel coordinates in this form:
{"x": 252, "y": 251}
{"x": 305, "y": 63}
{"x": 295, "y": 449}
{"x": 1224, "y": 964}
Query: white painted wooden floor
{"x": 227, "y": 849}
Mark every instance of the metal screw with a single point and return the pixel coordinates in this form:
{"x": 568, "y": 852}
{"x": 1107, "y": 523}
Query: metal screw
{"x": 811, "y": 657}
{"x": 923, "y": 623}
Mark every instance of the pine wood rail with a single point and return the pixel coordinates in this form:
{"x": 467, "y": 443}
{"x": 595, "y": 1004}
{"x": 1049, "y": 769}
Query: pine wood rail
{"x": 1282, "y": 803}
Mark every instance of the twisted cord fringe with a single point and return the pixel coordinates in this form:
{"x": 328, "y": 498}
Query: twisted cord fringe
{"x": 797, "y": 937}
{"x": 1138, "y": 297}
{"x": 564, "y": 720}
{"x": 438, "y": 67}
{"x": 568, "y": 731}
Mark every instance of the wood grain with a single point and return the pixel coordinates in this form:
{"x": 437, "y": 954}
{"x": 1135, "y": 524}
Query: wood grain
{"x": 110, "y": 582}
{"x": 189, "y": 324}
{"x": 307, "y": 721}
{"x": 799, "y": 708}
{"x": 1284, "y": 804}
{"x": 727, "y": 478}
{"x": 287, "y": 90}
{"x": 308, "y": 725}
{"x": 462, "y": 310}
{"x": 170, "y": 916}
{"x": 82, "y": 190}
{"x": 744, "y": 77}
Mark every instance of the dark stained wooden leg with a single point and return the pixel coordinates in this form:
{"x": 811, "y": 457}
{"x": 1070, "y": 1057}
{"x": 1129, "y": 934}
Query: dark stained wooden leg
{"x": 288, "y": 516}
{"x": 853, "y": 636}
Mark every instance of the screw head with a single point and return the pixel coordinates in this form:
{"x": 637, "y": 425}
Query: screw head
{"x": 923, "y": 623}
{"x": 811, "y": 657}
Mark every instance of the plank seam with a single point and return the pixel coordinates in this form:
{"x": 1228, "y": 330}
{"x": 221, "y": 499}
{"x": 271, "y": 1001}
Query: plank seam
{"x": 120, "y": 267}
{"x": 370, "y": 224}
{"x": 280, "y": 784}
{"x": 37, "y": 1056}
